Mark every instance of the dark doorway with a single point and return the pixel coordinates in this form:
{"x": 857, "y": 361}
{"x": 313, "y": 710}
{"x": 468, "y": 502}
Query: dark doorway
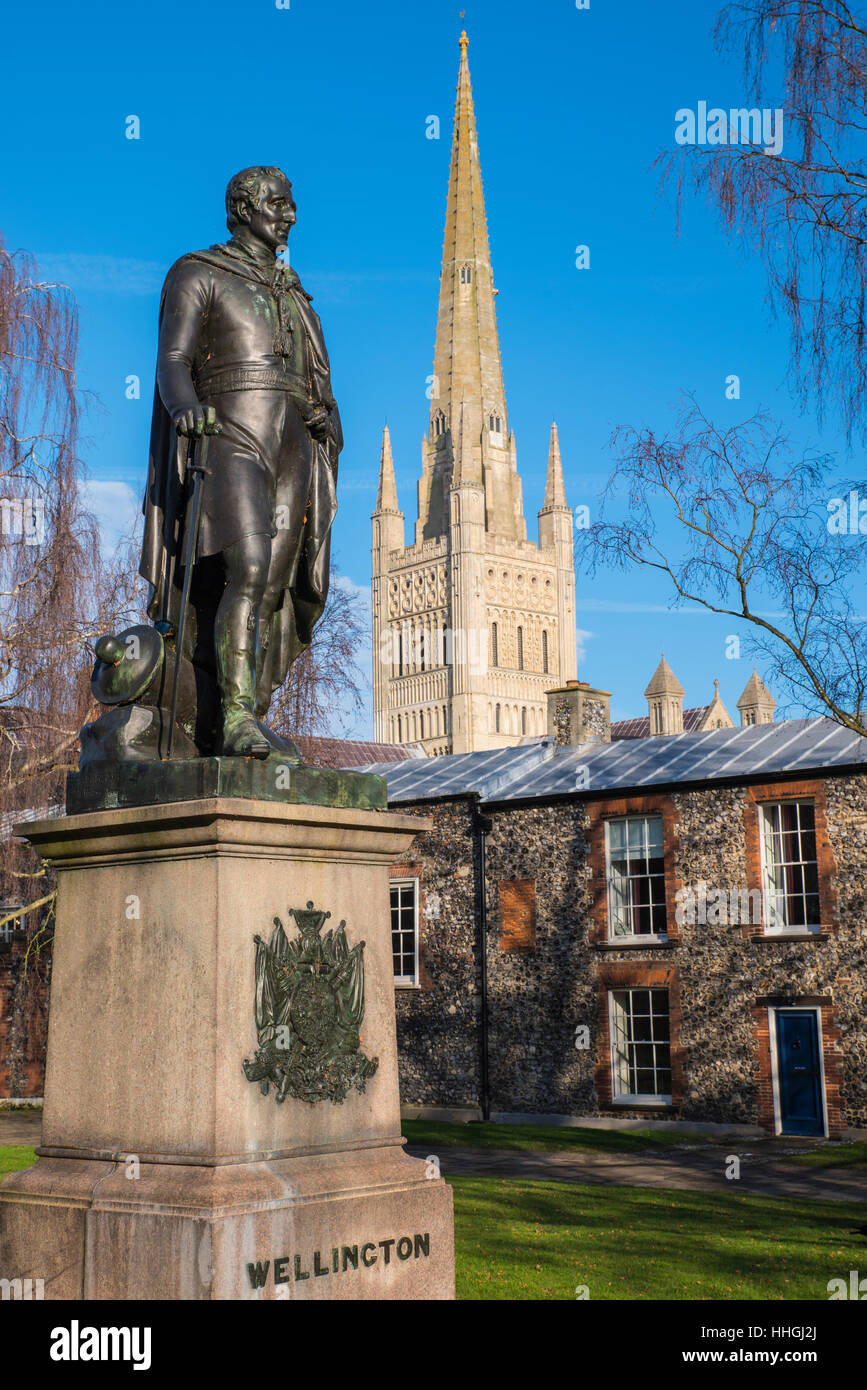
{"x": 800, "y": 1074}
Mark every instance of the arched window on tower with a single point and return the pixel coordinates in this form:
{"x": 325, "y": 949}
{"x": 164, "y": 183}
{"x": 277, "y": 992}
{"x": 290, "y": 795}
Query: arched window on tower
{"x": 523, "y": 719}
{"x": 494, "y": 654}
{"x": 399, "y": 729}
{"x": 545, "y": 652}
{"x": 497, "y": 719}
{"x": 495, "y": 424}
{"x": 520, "y": 649}
{"x": 466, "y": 274}
{"x": 439, "y": 424}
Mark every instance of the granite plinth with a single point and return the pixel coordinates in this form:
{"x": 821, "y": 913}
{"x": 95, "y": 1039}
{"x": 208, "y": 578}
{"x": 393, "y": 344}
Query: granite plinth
{"x": 164, "y": 1172}
{"x": 106, "y": 786}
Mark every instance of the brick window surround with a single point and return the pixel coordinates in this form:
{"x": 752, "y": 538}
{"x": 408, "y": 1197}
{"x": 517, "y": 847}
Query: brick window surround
{"x": 830, "y": 1043}
{"x": 627, "y": 974}
{"x": 770, "y": 792}
{"x": 598, "y": 813}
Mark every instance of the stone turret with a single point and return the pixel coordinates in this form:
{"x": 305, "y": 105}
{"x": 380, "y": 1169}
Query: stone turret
{"x": 664, "y": 697}
{"x": 387, "y": 536}
{"x": 757, "y": 704}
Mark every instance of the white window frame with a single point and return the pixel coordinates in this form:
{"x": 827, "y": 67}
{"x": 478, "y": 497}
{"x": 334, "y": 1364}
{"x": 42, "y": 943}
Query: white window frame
{"x": 773, "y": 1010}
{"x": 16, "y": 924}
{"x": 634, "y": 1097}
{"x": 407, "y": 981}
{"x": 769, "y": 927}
{"x": 631, "y": 936}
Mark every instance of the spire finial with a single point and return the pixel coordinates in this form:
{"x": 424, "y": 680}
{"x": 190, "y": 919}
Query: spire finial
{"x": 555, "y": 493}
{"x": 464, "y": 41}
{"x": 386, "y": 500}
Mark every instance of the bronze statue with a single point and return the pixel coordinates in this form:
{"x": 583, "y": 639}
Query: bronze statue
{"x": 242, "y": 360}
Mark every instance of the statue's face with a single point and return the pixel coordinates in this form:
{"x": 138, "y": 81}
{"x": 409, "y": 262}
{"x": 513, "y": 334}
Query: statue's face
{"x": 274, "y": 218}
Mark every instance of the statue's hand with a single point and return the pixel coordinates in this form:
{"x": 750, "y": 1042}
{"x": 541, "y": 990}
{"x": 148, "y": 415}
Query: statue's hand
{"x": 196, "y": 420}
{"x": 321, "y": 426}
{"x": 318, "y": 425}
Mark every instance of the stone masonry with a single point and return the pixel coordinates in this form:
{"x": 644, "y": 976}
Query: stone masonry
{"x": 720, "y": 977}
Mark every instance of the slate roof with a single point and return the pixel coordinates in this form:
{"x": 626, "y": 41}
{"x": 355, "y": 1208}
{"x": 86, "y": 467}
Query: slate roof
{"x": 640, "y": 727}
{"x": 345, "y": 753}
{"x": 540, "y": 771}
{"x": 12, "y": 818}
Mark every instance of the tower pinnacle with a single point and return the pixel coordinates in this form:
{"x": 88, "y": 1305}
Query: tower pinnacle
{"x": 386, "y": 497}
{"x": 555, "y": 489}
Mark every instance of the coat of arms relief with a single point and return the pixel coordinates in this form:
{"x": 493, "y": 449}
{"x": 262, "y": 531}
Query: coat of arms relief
{"x": 309, "y": 1008}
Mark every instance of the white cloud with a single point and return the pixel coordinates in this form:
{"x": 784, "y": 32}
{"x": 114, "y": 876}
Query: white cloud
{"x": 583, "y": 636}
{"x": 609, "y": 605}
{"x": 360, "y": 591}
{"x": 116, "y": 507}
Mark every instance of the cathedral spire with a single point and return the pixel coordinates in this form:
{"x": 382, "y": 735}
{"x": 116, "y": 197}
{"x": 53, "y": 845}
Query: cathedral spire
{"x": 470, "y": 577}
{"x": 386, "y": 497}
{"x": 555, "y": 489}
{"x": 467, "y": 375}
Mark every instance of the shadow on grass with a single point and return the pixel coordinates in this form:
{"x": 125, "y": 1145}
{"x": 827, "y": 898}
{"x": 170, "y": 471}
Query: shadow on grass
{"x": 549, "y": 1138}
{"x": 545, "y": 1240}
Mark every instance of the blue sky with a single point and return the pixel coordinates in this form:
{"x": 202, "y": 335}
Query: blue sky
{"x": 572, "y": 108}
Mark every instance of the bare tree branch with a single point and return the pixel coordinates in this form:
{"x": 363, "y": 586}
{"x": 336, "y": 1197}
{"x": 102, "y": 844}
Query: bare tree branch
{"x": 756, "y": 545}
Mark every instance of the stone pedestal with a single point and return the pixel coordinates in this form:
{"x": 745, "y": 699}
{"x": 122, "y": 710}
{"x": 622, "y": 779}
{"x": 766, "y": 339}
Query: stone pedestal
{"x": 164, "y": 1173}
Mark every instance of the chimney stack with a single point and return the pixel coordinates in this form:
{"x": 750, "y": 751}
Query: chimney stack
{"x": 579, "y": 714}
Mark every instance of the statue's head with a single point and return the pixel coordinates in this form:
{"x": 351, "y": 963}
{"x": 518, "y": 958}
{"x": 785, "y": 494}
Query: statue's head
{"x": 260, "y": 200}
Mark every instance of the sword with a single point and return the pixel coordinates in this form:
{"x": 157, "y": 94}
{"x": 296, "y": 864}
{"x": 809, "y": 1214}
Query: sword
{"x": 196, "y": 473}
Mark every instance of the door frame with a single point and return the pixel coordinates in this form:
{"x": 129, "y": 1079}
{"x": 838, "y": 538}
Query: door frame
{"x": 773, "y": 1037}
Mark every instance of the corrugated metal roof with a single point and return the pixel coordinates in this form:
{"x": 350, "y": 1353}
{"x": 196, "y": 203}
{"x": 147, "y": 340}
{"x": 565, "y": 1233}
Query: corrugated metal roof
{"x": 542, "y": 771}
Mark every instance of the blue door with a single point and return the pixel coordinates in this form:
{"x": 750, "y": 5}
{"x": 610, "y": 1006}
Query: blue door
{"x": 800, "y": 1073}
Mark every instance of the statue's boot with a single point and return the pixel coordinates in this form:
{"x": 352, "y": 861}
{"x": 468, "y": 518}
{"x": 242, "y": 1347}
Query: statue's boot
{"x": 288, "y": 750}
{"x": 236, "y": 672}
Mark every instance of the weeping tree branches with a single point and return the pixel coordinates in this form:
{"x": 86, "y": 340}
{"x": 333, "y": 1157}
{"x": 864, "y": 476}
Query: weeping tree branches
{"x": 58, "y": 588}
{"x": 805, "y": 207}
{"x": 324, "y": 685}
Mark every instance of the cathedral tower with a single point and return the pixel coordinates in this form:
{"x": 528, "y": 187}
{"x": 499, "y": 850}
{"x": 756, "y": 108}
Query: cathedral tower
{"x": 472, "y": 623}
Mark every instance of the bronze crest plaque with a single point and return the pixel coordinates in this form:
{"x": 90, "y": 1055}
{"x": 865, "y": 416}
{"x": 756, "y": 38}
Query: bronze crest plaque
{"x": 309, "y": 1008}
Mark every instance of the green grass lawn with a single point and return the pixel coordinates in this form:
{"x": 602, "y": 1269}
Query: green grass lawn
{"x": 13, "y": 1157}
{"x": 852, "y": 1155}
{"x": 553, "y": 1138}
{"x": 541, "y": 1240}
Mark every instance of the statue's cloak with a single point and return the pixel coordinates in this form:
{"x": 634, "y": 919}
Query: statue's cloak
{"x": 166, "y": 500}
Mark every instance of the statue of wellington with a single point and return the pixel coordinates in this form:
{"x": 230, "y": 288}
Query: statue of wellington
{"x": 242, "y": 359}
